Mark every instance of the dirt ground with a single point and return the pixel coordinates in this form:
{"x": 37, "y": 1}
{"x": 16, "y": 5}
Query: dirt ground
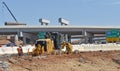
{"x": 84, "y": 61}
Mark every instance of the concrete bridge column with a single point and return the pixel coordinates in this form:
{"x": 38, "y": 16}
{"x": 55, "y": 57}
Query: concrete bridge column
{"x": 20, "y": 34}
{"x": 62, "y": 38}
{"x": 84, "y": 33}
{"x": 21, "y": 37}
{"x": 66, "y": 37}
{"x": 24, "y": 40}
{"x": 16, "y": 37}
{"x": 88, "y": 37}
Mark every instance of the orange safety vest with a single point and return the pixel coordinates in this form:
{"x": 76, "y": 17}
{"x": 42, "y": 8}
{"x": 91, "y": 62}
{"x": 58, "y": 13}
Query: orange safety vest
{"x": 19, "y": 51}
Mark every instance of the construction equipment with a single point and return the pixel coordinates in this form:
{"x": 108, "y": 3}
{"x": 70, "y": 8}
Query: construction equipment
{"x": 42, "y": 46}
{"x": 46, "y": 45}
{"x": 68, "y": 47}
{"x": 9, "y": 11}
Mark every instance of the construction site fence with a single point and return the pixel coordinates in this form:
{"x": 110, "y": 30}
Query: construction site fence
{"x": 78, "y": 47}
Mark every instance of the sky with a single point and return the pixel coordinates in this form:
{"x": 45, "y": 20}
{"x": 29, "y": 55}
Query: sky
{"x": 77, "y": 12}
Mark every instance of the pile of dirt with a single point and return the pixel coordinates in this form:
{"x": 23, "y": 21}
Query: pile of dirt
{"x": 3, "y": 41}
{"x": 84, "y": 61}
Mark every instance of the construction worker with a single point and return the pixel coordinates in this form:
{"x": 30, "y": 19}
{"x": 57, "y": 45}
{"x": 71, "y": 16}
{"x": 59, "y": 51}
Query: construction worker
{"x": 20, "y": 51}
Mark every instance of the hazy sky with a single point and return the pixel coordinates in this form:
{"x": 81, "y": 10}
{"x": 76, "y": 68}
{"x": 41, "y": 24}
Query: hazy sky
{"x": 78, "y": 12}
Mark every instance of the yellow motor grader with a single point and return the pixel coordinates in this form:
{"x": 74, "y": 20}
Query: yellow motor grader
{"x": 42, "y": 46}
{"x": 68, "y": 47}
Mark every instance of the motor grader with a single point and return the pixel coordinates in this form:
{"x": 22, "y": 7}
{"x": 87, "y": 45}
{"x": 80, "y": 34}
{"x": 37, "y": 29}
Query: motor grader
{"x": 42, "y": 46}
{"x": 68, "y": 47}
{"x": 46, "y": 46}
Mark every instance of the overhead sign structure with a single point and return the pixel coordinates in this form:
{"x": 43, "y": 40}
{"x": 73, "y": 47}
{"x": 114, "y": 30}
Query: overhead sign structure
{"x": 44, "y": 21}
{"x": 63, "y": 21}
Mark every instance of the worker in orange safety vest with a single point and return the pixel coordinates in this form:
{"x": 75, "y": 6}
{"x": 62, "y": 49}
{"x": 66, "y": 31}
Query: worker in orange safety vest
{"x": 20, "y": 51}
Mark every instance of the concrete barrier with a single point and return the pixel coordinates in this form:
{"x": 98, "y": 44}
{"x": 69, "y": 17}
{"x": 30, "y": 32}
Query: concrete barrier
{"x": 96, "y": 47}
{"x": 81, "y": 48}
{"x": 13, "y": 50}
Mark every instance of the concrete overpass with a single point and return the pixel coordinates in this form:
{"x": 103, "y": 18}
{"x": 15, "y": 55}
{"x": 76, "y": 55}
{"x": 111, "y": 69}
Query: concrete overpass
{"x": 86, "y": 32}
{"x": 92, "y": 29}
